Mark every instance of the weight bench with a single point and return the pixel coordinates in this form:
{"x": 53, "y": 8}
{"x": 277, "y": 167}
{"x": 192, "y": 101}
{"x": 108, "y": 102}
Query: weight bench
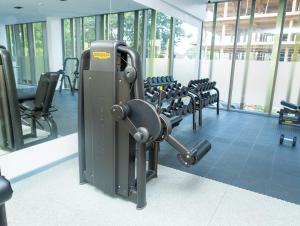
{"x": 26, "y": 94}
{"x": 290, "y": 105}
{"x": 41, "y": 106}
{"x": 289, "y": 114}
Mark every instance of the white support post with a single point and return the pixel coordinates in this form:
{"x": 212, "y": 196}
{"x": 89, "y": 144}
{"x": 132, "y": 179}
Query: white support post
{"x": 3, "y": 40}
{"x": 54, "y": 40}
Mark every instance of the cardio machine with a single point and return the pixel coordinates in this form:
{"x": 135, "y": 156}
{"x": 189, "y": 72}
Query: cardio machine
{"x": 117, "y": 127}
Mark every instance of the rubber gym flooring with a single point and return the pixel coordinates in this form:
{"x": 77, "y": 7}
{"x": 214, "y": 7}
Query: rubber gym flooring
{"x": 245, "y": 149}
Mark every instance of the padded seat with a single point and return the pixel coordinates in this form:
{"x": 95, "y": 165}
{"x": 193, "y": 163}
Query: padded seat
{"x": 26, "y": 94}
{"x": 289, "y": 105}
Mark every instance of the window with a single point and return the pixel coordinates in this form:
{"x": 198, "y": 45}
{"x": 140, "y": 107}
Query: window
{"x": 185, "y": 52}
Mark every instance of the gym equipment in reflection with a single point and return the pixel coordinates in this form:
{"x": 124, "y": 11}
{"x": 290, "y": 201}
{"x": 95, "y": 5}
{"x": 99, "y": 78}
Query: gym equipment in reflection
{"x": 70, "y": 69}
{"x": 289, "y": 114}
{"x": 5, "y": 194}
{"x": 117, "y": 127}
{"x": 17, "y": 110}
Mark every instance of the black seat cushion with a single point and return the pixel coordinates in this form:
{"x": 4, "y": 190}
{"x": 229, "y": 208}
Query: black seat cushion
{"x": 289, "y": 105}
{"x": 26, "y": 94}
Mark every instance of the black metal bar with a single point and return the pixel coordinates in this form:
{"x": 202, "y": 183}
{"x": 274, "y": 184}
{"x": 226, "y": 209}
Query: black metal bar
{"x": 3, "y": 219}
{"x": 141, "y": 176}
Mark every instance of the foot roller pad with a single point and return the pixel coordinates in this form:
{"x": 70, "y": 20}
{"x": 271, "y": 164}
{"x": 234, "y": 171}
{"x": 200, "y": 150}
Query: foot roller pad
{"x": 197, "y": 153}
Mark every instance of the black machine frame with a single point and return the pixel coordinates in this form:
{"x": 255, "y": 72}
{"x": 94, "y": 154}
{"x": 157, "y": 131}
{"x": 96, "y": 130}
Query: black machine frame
{"x": 117, "y": 127}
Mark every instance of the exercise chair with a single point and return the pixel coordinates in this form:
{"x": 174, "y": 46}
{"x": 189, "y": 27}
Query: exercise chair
{"x": 41, "y": 106}
{"x": 70, "y": 69}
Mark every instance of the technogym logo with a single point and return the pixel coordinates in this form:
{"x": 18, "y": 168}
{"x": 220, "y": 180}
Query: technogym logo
{"x": 102, "y": 55}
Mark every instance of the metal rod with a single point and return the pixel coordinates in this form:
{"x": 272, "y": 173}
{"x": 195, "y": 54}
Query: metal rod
{"x": 136, "y": 29}
{"x": 141, "y": 176}
{"x": 237, "y": 21}
{"x": 120, "y": 26}
{"x": 276, "y": 54}
{"x": 249, "y": 40}
{"x": 3, "y": 219}
{"x": 200, "y": 52}
{"x": 212, "y": 46}
{"x": 171, "y": 46}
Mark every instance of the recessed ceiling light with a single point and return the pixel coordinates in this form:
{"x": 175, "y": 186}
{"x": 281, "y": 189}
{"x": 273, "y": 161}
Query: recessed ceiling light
{"x": 63, "y": 0}
{"x": 18, "y": 7}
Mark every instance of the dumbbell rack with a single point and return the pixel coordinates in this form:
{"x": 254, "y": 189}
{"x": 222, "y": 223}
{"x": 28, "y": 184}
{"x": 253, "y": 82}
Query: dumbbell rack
{"x": 166, "y": 94}
{"x": 201, "y": 89}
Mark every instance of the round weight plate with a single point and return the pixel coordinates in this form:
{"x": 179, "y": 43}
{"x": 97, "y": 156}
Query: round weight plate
{"x": 143, "y": 114}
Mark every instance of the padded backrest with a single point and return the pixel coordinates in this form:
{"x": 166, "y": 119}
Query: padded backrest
{"x": 71, "y": 66}
{"x": 53, "y": 79}
{"x": 41, "y": 91}
{"x": 45, "y": 91}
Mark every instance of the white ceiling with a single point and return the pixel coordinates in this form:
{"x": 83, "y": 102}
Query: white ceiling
{"x": 38, "y": 10}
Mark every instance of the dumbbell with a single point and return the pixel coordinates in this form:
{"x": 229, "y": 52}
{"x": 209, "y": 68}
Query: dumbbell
{"x": 184, "y": 91}
{"x": 190, "y": 108}
{"x": 153, "y": 96}
{"x": 293, "y": 140}
{"x": 159, "y": 80}
{"x": 164, "y": 79}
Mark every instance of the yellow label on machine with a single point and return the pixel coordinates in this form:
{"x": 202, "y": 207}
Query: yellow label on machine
{"x": 102, "y": 55}
{"x": 288, "y": 122}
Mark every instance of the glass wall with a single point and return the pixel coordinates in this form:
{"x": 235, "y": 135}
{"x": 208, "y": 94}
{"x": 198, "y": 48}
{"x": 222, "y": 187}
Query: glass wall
{"x": 288, "y": 76}
{"x": 266, "y": 57}
{"x": 129, "y": 32}
{"x": 89, "y": 35}
{"x": 159, "y": 35}
{"x": 25, "y": 42}
{"x": 186, "y": 52}
{"x": 223, "y": 47}
{"x": 155, "y": 42}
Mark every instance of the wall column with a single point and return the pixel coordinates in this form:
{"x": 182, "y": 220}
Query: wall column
{"x": 54, "y": 40}
{"x": 3, "y": 40}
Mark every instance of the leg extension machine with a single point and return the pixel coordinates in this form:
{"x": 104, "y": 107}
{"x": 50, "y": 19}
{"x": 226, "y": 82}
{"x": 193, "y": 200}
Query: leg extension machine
{"x": 117, "y": 127}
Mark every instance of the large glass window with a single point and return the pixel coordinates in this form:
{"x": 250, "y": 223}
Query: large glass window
{"x": 113, "y": 26}
{"x": 38, "y": 49}
{"x": 185, "y": 52}
{"x": 207, "y": 41}
{"x": 27, "y": 49}
{"x": 288, "y": 77}
{"x": 159, "y": 39}
{"x": 89, "y": 28}
{"x": 129, "y": 28}
{"x": 223, "y": 48}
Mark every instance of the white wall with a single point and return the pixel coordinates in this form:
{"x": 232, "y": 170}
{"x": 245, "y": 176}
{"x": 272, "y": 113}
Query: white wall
{"x": 54, "y": 39}
{"x": 190, "y": 11}
{"x": 3, "y": 40}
